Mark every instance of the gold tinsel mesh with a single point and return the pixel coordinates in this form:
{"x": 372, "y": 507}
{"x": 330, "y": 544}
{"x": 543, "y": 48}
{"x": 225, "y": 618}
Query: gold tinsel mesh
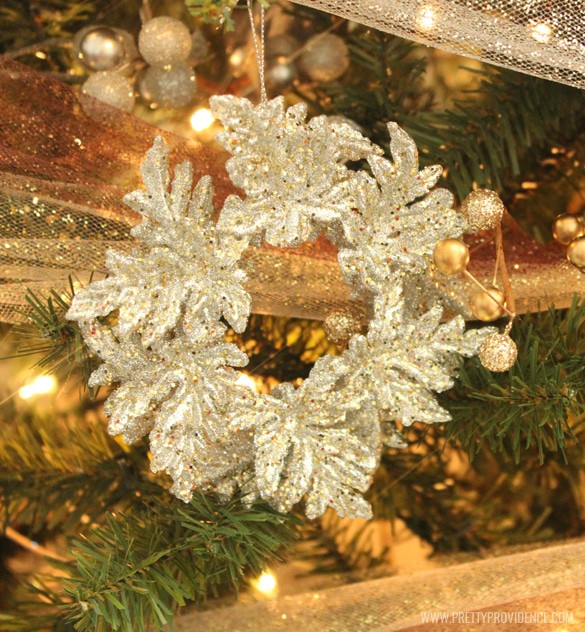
{"x": 66, "y": 161}
{"x": 545, "y": 38}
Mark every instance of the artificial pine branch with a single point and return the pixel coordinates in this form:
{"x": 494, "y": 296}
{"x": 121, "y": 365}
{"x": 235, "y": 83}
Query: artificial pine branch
{"x": 154, "y": 554}
{"x": 136, "y": 569}
{"x": 49, "y": 334}
{"x": 216, "y": 11}
{"x": 58, "y": 473}
{"x": 458, "y": 505}
{"x": 539, "y": 403}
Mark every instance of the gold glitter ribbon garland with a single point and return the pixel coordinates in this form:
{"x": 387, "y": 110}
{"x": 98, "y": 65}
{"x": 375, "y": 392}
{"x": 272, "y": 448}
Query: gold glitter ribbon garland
{"x": 66, "y": 161}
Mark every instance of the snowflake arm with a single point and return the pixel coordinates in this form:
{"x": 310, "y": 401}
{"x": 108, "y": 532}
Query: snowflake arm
{"x": 186, "y": 274}
{"x": 292, "y": 172}
{"x": 397, "y": 219}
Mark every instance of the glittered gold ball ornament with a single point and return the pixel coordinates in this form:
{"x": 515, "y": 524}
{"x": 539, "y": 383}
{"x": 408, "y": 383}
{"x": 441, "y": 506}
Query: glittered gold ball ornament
{"x": 111, "y": 88}
{"x": 340, "y": 325}
{"x": 488, "y": 305}
{"x": 576, "y": 252}
{"x": 451, "y": 256}
{"x": 568, "y": 227}
{"x": 169, "y": 87}
{"x": 325, "y": 58}
{"x": 99, "y": 48}
{"x": 498, "y": 353}
{"x": 483, "y": 210}
{"x": 164, "y": 41}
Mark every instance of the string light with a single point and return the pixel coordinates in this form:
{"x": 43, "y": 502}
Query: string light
{"x": 39, "y": 386}
{"x": 246, "y": 380}
{"x": 202, "y": 119}
{"x": 266, "y": 583}
{"x": 237, "y": 58}
{"x": 541, "y": 32}
{"x": 426, "y": 18}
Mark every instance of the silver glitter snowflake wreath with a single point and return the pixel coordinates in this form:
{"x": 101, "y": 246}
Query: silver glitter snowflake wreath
{"x": 155, "y": 322}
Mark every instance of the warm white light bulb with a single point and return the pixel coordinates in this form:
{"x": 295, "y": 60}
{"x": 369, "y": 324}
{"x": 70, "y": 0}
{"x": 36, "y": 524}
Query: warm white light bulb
{"x": 266, "y": 583}
{"x": 541, "y": 32}
{"x": 246, "y": 380}
{"x": 39, "y": 386}
{"x": 202, "y": 119}
{"x": 426, "y": 18}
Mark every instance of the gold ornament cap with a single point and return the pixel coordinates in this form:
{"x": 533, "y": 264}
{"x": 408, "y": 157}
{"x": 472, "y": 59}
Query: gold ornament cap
{"x": 498, "y": 353}
{"x": 568, "y": 227}
{"x": 488, "y": 305}
{"x": 451, "y": 256}
{"x": 483, "y": 210}
{"x": 340, "y": 325}
{"x": 576, "y": 252}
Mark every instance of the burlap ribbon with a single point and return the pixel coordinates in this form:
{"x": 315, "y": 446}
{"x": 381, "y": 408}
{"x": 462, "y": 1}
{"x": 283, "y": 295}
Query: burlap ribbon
{"x": 528, "y": 591}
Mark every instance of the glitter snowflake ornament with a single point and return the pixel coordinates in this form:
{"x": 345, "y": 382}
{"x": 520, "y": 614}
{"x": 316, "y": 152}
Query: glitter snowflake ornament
{"x": 397, "y": 219}
{"x": 155, "y": 322}
{"x": 321, "y": 439}
{"x": 292, "y": 172}
{"x": 187, "y": 273}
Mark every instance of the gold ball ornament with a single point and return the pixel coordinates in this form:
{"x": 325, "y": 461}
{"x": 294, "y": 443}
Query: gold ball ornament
{"x": 340, "y": 325}
{"x": 488, "y": 305}
{"x": 451, "y": 256}
{"x": 568, "y": 227}
{"x": 483, "y": 210}
{"x": 498, "y": 353}
{"x": 576, "y": 252}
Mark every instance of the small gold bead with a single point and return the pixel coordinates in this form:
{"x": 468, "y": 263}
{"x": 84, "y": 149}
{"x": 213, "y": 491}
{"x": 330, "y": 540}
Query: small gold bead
{"x": 498, "y": 353}
{"x": 568, "y": 227}
{"x": 451, "y": 256}
{"x": 576, "y": 252}
{"x": 340, "y": 325}
{"x": 488, "y": 306}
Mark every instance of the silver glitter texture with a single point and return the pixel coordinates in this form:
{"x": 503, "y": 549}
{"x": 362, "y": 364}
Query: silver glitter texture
{"x": 187, "y": 274}
{"x": 154, "y": 322}
{"x": 320, "y": 440}
{"x": 397, "y": 219}
{"x": 291, "y": 171}
{"x": 405, "y": 357}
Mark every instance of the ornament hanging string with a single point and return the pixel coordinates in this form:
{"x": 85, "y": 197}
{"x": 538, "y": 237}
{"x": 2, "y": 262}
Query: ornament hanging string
{"x": 259, "y": 49}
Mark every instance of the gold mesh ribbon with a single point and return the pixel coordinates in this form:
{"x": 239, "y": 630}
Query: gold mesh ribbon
{"x": 66, "y": 161}
{"x": 539, "y": 37}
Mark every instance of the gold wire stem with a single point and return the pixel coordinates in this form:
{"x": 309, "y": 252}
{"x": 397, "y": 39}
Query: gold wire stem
{"x": 508, "y": 292}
